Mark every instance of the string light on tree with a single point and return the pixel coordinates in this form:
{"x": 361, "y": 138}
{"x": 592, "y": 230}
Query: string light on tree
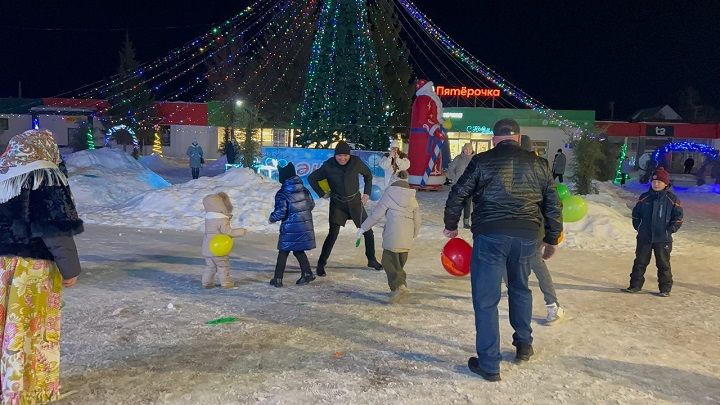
{"x": 157, "y": 142}
{"x": 619, "y": 173}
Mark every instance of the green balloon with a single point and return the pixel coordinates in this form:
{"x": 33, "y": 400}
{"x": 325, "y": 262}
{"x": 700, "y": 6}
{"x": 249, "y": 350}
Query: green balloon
{"x": 574, "y": 208}
{"x": 563, "y": 191}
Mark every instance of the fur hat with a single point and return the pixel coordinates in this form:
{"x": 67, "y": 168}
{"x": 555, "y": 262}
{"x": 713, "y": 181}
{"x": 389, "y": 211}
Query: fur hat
{"x": 662, "y": 175}
{"x": 286, "y": 172}
{"x": 219, "y": 202}
{"x": 342, "y": 148}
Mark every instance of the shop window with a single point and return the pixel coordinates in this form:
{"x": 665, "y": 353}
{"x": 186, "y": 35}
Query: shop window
{"x": 280, "y": 137}
{"x": 165, "y": 135}
{"x": 541, "y": 148}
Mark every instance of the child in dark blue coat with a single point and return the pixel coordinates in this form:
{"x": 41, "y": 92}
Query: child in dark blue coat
{"x": 293, "y": 206}
{"x": 656, "y": 216}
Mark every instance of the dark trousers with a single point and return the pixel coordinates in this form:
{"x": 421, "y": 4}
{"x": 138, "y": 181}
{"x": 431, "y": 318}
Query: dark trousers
{"x": 332, "y": 237}
{"x": 688, "y": 169}
{"x": 492, "y": 256}
{"x": 558, "y": 176}
{"x": 643, "y": 251}
{"x": 282, "y": 260}
{"x": 195, "y": 172}
{"x": 394, "y": 265}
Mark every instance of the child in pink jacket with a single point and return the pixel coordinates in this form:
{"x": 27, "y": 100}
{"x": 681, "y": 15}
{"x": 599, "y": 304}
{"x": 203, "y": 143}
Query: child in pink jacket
{"x": 218, "y": 212}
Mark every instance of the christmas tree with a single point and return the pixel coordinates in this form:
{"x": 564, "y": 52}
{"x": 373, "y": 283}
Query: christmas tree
{"x": 343, "y": 94}
{"x": 394, "y": 64}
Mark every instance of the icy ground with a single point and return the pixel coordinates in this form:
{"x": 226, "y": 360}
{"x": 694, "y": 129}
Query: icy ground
{"x": 134, "y": 328}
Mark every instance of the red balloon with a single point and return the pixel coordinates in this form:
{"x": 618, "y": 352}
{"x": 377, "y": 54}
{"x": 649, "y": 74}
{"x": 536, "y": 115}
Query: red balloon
{"x": 456, "y": 257}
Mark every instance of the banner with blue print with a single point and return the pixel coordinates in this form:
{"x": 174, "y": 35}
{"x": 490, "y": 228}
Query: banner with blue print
{"x": 307, "y": 161}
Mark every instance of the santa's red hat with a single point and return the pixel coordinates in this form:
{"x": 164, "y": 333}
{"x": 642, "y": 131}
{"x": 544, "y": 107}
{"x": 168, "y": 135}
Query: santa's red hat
{"x": 420, "y": 83}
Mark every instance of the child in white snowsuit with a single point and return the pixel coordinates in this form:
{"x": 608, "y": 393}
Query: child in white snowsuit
{"x": 218, "y": 212}
{"x": 402, "y": 224}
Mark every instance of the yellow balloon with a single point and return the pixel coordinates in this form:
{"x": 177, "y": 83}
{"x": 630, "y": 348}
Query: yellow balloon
{"x": 447, "y": 124}
{"x": 324, "y": 185}
{"x": 221, "y": 245}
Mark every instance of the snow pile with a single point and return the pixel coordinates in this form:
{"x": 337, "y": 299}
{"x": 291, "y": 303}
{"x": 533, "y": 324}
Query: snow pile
{"x": 607, "y": 225}
{"x": 107, "y": 177}
{"x": 180, "y": 206}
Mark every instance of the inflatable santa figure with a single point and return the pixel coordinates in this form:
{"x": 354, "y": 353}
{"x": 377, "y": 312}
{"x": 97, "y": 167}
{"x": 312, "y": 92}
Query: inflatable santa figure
{"x": 427, "y": 139}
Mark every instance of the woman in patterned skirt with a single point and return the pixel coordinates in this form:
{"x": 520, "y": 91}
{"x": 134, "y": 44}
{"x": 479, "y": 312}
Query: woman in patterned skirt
{"x": 37, "y": 258}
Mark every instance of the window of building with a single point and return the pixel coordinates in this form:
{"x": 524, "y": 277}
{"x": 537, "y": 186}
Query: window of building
{"x": 541, "y": 148}
{"x": 4, "y": 124}
{"x": 165, "y": 135}
{"x": 280, "y": 137}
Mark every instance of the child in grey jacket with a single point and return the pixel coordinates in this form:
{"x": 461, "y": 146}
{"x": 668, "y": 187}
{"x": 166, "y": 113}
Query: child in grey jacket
{"x": 218, "y": 212}
{"x": 402, "y": 224}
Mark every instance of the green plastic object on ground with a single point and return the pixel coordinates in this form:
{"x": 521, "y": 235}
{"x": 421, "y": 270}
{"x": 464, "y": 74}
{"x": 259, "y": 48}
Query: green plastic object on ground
{"x": 563, "y": 191}
{"x": 357, "y": 242}
{"x": 223, "y": 320}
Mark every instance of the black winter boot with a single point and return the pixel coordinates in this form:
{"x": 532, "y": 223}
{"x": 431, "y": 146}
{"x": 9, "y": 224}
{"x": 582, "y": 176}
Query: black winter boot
{"x": 321, "y": 270}
{"x": 466, "y": 223}
{"x": 475, "y": 368}
{"x": 524, "y": 351}
{"x": 373, "y": 263}
{"x": 305, "y": 278}
{"x": 276, "y": 282}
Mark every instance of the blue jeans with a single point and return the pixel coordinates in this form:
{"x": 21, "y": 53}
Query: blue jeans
{"x": 493, "y": 255}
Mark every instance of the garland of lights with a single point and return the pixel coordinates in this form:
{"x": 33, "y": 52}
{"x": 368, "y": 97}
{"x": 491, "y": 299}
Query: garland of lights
{"x": 465, "y": 57}
{"x": 90, "y": 137}
{"x": 620, "y": 175}
{"x": 324, "y": 110}
{"x": 685, "y": 146}
{"x": 157, "y": 142}
{"x": 198, "y": 80}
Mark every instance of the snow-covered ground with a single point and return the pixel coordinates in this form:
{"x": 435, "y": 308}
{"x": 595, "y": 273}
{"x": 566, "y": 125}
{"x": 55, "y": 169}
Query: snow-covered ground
{"x": 135, "y": 332}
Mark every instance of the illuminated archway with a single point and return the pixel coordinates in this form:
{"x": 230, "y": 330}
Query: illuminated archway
{"x": 685, "y": 146}
{"x": 112, "y": 131}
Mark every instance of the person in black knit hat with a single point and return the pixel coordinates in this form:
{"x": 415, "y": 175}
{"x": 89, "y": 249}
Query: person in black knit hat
{"x": 293, "y": 207}
{"x": 341, "y": 172}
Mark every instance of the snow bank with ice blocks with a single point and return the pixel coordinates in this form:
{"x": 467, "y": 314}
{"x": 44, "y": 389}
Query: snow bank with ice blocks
{"x": 180, "y": 206}
{"x": 107, "y": 177}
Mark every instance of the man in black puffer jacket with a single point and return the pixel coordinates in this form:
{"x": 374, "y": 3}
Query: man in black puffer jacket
{"x": 514, "y": 195}
{"x": 656, "y": 216}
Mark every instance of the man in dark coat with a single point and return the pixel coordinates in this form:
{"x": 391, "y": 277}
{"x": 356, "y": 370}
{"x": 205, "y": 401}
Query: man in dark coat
{"x": 341, "y": 173}
{"x": 514, "y": 195}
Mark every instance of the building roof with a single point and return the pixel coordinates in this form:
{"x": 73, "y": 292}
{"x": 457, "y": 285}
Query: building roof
{"x": 655, "y": 114}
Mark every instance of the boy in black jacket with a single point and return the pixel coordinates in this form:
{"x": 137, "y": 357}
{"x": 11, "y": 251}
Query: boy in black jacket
{"x": 656, "y": 216}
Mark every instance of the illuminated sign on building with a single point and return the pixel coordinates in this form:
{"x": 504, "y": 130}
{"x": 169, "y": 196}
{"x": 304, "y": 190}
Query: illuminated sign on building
{"x": 457, "y": 115}
{"x": 478, "y": 129}
{"x": 443, "y": 91}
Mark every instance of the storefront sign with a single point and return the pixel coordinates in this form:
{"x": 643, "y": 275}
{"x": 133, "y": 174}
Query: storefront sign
{"x": 479, "y": 129}
{"x": 467, "y": 92}
{"x": 457, "y": 115}
{"x": 660, "y": 130}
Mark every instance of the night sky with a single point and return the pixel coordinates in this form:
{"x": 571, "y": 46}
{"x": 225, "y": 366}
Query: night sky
{"x": 567, "y": 54}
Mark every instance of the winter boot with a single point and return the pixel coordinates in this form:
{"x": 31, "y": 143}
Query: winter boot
{"x": 397, "y": 295}
{"x": 320, "y": 270}
{"x": 632, "y": 290}
{"x": 373, "y": 263}
{"x": 466, "y": 223}
{"x": 276, "y": 282}
{"x": 554, "y": 313}
{"x": 475, "y": 368}
{"x": 524, "y": 351}
{"x": 664, "y": 294}
{"x": 305, "y": 278}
